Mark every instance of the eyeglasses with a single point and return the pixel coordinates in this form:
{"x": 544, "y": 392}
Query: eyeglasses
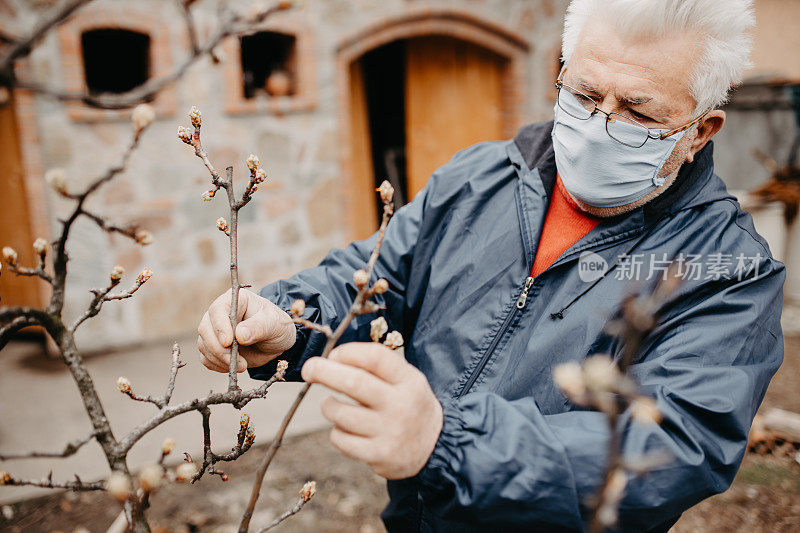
{"x": 622, "y": 129}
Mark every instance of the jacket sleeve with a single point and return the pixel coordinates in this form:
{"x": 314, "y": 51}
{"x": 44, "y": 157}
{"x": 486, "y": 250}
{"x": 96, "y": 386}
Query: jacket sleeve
{"x": 708, "y": 366}
{"x": 328, "y": 289}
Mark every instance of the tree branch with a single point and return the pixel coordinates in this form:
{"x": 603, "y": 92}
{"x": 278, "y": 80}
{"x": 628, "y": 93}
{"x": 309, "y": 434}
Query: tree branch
{"x": 70, "y": 449}
{"x": 361, "y": 279}
{"x": 48, "y": 483}
{"x": 23, "y": 46}
{"x": 233, "y": 25}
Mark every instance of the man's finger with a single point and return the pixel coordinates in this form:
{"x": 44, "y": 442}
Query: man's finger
{"x": 358, "y": 384}
{"x": 353, "y": 446}
{"x": 210, "y": 364}
{"x": 219, "y": 315}
{"x": 372, "y": 357}
{"x": 266, "y": 329}
{"x": 209, "y": 336}
{"x": 220, "y": 360}
{"x": 350, "y": 418}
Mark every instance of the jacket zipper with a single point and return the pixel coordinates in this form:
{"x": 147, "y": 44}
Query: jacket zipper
{"x": 522, "y": 300}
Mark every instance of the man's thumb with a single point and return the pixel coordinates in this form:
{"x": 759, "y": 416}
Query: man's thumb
{"x": 252, "y": 330}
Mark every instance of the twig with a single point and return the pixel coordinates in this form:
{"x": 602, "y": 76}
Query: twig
{"x": 236, "y": 398}
{"x": 233, "y": 25}
{"x": 22, "y": 47}
{"x": 48, "y": 483}
{"x": 306, "y": 493}
{"x": 61, "y": 257}
{"x": 70, "y": 449}
{"x": 357, "y": 308}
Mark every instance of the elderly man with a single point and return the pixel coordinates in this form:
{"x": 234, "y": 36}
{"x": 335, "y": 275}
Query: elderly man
{"x": 491, "y": 286}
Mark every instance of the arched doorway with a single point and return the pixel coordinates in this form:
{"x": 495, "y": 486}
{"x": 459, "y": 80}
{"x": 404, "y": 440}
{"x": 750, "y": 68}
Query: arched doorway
{"x": 417, "y": 90}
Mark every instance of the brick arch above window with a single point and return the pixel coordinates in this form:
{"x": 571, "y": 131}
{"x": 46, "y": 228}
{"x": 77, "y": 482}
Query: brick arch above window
{"x": 121, "y": 17}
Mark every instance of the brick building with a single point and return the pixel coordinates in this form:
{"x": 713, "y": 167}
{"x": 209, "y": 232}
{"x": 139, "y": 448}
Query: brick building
{"x": 332, "y": 97}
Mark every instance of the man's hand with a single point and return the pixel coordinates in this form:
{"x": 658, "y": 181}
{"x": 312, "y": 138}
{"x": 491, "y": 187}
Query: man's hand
{"x": 398, "y": 420}
{"x": 264, "y": 332}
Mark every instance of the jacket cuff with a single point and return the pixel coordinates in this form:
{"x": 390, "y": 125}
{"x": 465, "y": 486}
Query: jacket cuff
{"x": 291, "y": 356}
{"x": 446, "y": 451}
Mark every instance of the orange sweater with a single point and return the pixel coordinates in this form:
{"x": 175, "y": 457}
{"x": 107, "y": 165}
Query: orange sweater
{"x": 564, "y": 225}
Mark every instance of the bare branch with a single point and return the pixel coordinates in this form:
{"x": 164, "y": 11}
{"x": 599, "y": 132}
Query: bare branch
{"x": 48, "y": 483}
{"x": 236, "y": 398}
{"x": 69, "y": 450}
{"x": 61, "y": 258}
{"x": 173, "y": 373}
{"x": 31, "y": 272}
{"x": 22, "y": 47}
{"x": 16, "y": 318}
{"x": 188, "y": 20}
{"x": 232, "y": 25}
{"x": 357, "y": 308}
{"x": 131, "y": 231}
{"x": 324, "y": 328}
{"x": 306, "y": 493}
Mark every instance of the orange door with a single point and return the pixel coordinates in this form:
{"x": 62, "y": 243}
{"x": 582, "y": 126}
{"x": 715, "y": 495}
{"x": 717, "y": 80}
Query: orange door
{"x": 15, "y": 230}
{"x": 362, "y": 198}
{"x": 453, "y": 100}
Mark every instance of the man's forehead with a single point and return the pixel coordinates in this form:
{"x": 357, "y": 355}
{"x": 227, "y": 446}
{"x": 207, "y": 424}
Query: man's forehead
{"x": 657, "y": 69}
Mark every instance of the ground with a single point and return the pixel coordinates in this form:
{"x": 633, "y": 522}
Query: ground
{"x": 764, "y": 497}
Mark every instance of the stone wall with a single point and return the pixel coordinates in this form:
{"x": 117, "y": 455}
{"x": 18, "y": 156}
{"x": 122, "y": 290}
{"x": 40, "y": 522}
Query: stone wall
{"x": 296, "y": 218}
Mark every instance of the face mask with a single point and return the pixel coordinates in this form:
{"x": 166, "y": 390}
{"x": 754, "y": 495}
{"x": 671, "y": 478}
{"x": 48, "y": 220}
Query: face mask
{"x": 601, "y": 172}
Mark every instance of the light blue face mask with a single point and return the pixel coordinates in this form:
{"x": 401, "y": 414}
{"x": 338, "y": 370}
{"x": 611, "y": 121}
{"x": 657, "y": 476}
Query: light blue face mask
{"x": 601, "y": 172}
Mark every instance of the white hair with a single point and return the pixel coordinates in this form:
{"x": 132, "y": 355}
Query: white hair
{"x": 724, "y": 25}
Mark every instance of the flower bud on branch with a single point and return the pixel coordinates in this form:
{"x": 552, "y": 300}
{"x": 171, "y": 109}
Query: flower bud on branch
{"x": 298, "y": 308}
{"x": 309, "y": 490}
{"x": 119, "y": 486}
{"x": 386, "y": 191}
{"x": 143, "y": 237}
{"x": 569, "y": 378}
{"x": 151, "y": 477}
{"x": 253, "y": 163}
{"x": 209, "y": 195}
{"x": 143, "y": 276}
{"x": 380, "y": 286}
{"x": 186, "y": 471}
{"x": 378, "y": 329}
{"x": 283, "y": 366}
{"x": 40, "y": 247}
{"x": 56, "y": 178}
{"x": 124, "y": 385}
{"x": 361, "y": 278}
{"x": 222, "y": 225}
{"x": 116, "y": 274}
{"x": 184, "y": 134}
{"x": 10, "y": 256}
{"x": 143, "y": 115}
{"x": 394, "y": 340}
{"x": 167, "y": 446}
{"x": 645, "y": 411}
{"x": 601, "y": 373}
{"x": 195, "y": 116}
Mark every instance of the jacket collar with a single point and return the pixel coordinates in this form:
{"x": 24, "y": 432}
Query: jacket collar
{"x": 692, "y": 186}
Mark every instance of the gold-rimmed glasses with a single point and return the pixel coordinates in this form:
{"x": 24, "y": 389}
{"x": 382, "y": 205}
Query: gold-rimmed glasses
{"x": 624, "y": 130}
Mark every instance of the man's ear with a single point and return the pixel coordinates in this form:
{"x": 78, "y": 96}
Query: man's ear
{"x": 706, "y": 129}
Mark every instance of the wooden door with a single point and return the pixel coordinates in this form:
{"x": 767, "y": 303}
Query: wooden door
{"x": 454, "y": 99}
{"x": 362, "y": 196}
{"x": 15, "y": 229}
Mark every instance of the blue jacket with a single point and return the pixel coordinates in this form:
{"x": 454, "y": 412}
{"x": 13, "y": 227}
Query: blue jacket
{"x": 514, "y": 453}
